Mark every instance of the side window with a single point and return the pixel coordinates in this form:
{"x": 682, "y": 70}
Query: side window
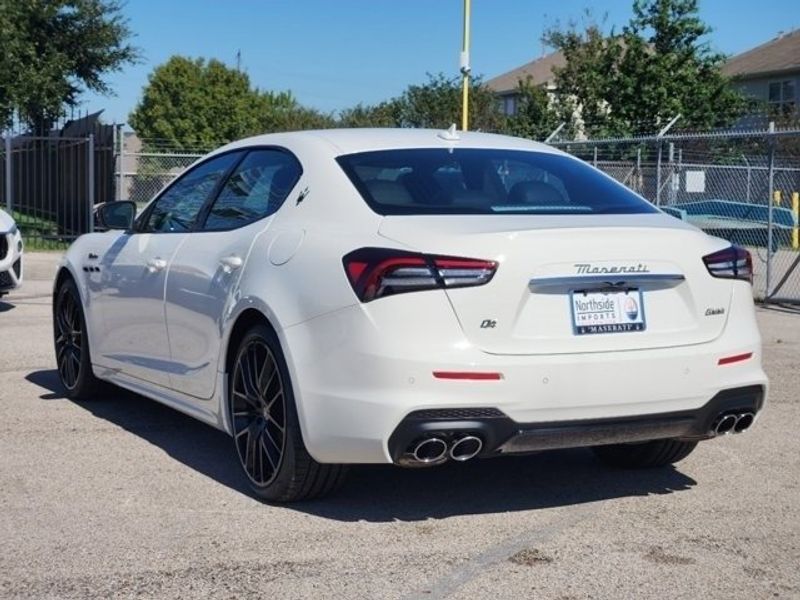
{"x": 178, "y": 208}
{"x": 256, "y": 189}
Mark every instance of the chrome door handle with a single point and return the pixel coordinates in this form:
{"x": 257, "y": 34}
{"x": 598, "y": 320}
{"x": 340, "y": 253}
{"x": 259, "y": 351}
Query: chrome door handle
{"x": 156, "y": 264}
{"x": 231, "y": 263}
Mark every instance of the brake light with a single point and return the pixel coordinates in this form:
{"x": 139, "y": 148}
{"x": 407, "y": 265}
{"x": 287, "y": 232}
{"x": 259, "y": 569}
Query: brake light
{"x": 378, "y": 272}
{"x": 733, "y": 262}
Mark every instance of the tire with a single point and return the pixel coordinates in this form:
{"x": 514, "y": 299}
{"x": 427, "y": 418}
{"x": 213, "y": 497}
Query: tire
{"x": 71, "y": 344}
{"x": 657, "y": 453}
{"x": 266, "y": 430}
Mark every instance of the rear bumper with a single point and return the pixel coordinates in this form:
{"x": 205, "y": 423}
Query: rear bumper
{"x": 503, "y": 435}
{"x": 357, "y": 377}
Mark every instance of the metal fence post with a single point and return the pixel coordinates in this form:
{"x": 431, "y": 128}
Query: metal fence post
{"x": 658, "y": 175}
{"x": 770, "y": 206}
{"x": 749, "y": 176}
{"x": 90, "y": 222}
{"x": 9, "y": 186}
{"x": 659, "y": 137}
{"x": 671, "y": 195}
{"x": 595, "y": 157}
{"x": 639, "y": 178}
{"x": 120, "y": 161}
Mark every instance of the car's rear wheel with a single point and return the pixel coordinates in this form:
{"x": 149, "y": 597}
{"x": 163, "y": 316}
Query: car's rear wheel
{"x": 657, "y": 453}
{"x": 265, "y": 426}
{"x": 73, "y": 359}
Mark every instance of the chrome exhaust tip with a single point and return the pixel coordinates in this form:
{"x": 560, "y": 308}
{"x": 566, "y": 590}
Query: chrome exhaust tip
{"x": 465, "y": 448}
{"x": 724, "y": 424}
{"x": 430, "y": 450}
{"x": 744, "y": 421}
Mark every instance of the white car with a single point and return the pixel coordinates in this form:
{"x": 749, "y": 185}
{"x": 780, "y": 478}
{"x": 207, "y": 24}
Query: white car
{"x": 10, "y": 254}
{"x": 412, "y": 297}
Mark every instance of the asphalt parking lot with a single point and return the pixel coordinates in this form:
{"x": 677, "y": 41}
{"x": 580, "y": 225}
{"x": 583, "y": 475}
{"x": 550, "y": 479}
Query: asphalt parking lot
{"x": 123, "y": 497}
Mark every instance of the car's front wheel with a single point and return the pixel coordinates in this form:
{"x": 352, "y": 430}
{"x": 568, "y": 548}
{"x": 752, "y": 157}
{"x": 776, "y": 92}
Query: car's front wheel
{"x": 73, "y": 359}
{"x": 266, "y": 429}
{"x": 657, "y": 453}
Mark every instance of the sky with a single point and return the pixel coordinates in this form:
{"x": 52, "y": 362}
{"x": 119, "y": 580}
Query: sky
{"x": 333, "y": 54}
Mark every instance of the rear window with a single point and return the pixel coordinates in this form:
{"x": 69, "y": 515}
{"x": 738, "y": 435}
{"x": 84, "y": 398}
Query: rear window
{"x": 485, "y": 181}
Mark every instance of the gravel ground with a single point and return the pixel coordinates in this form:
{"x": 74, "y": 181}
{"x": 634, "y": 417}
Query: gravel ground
{"x": 123, "y": 497}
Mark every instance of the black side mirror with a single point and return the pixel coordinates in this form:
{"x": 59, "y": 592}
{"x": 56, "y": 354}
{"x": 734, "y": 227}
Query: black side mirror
{"x": 116, "y": 215}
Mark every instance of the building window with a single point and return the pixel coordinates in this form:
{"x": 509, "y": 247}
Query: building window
{"x": 782, "y": 97}
{"x": 510, "y": 105}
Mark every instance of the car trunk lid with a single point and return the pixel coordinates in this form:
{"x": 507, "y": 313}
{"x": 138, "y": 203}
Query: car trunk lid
{"x": 556, "y": 274}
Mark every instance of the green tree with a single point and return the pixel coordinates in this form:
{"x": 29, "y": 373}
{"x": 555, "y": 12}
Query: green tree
{"x": 54, "y": 50}
{"x": 437, "y": 104}
{"x": 384, "y": 114}
{"x": 190, "y": 102}
{"x": 280, "y": 111}
{"x": 535, "y": 116}
{"x": 659, "y": 66}
{"x": 586, "y": 83}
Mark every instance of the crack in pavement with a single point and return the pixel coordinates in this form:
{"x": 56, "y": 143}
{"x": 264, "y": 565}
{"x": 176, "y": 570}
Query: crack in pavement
{"x": 450, "y": 583}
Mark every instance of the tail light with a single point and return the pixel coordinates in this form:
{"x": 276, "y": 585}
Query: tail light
{"x": 731, "y": 263}
{"x": 378, "y": 272}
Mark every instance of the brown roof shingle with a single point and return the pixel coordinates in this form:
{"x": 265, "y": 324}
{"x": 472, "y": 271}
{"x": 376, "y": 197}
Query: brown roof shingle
{"x": 540, "y": 71}
{"x": 780, "y": 54}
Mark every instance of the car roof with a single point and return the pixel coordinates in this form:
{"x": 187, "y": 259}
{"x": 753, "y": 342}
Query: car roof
{"x": 350, "y": 141}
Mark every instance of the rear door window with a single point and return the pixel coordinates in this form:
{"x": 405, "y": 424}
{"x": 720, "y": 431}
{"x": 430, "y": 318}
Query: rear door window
{"x": 256, "y": 189}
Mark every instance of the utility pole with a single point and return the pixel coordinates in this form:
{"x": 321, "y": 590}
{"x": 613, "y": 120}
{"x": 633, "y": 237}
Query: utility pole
{"x": 465, "y": 69}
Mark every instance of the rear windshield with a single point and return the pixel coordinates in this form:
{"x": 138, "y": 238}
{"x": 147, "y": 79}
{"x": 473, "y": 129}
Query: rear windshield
{"x": 485, "y": 181}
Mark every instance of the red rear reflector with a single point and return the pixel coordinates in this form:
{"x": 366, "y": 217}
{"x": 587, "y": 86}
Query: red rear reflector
{"x": 473, "y": 375}
{"x": 735, "y": 358}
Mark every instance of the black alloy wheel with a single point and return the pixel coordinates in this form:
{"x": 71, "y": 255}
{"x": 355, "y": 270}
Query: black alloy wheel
{"x": 265, "y": 425}
{"x": 69, "y": 339}
{"x": 259, "y": 412}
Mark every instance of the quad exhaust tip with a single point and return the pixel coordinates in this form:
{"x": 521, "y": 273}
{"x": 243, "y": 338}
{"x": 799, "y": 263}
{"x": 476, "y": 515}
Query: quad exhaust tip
{"x": 725, "y": 424}
{"x": 465, "y": 448}
{"x": 430, "y": 450}
{"x": 733, "y": 423}
{"x": 744, "y": 421}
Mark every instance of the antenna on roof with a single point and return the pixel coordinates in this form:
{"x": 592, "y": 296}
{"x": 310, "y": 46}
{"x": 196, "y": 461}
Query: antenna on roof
{"x": 450, "y": 134}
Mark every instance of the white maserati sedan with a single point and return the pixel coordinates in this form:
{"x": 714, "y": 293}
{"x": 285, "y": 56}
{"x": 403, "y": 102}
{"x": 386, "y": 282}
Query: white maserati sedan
{"x": 412, "y": 297}
{"x": 10, "y": 254}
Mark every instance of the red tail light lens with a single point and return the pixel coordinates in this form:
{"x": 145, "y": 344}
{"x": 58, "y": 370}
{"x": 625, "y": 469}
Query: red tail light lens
{"x": 378, "y": 272}
{"x": 730, "y": 263}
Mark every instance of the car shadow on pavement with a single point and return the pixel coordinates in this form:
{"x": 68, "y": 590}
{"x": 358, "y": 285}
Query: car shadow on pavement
{"x": 382, "y": 493}
{"x": 6, "y": 306}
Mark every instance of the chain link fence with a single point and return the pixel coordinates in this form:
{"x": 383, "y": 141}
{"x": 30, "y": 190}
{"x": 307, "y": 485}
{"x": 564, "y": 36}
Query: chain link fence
{"x": 144, "y": 167}
{"x": 743, "y": 186}
{"x": 740, "y": 185}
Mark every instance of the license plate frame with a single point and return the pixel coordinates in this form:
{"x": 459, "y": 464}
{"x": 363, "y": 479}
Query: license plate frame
{"x": 625, "y": 315}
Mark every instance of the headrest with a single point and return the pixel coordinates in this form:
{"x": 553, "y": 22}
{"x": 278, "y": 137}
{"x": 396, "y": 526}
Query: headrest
{"x": 389, "y": 192}
{"x": 535, "y": 193}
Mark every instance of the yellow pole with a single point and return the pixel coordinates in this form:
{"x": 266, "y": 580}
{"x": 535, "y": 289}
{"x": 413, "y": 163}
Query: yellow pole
{"x": 776, "y": 195}
{"x": 465, "y": 68}
{"x": 796, "y": 211}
